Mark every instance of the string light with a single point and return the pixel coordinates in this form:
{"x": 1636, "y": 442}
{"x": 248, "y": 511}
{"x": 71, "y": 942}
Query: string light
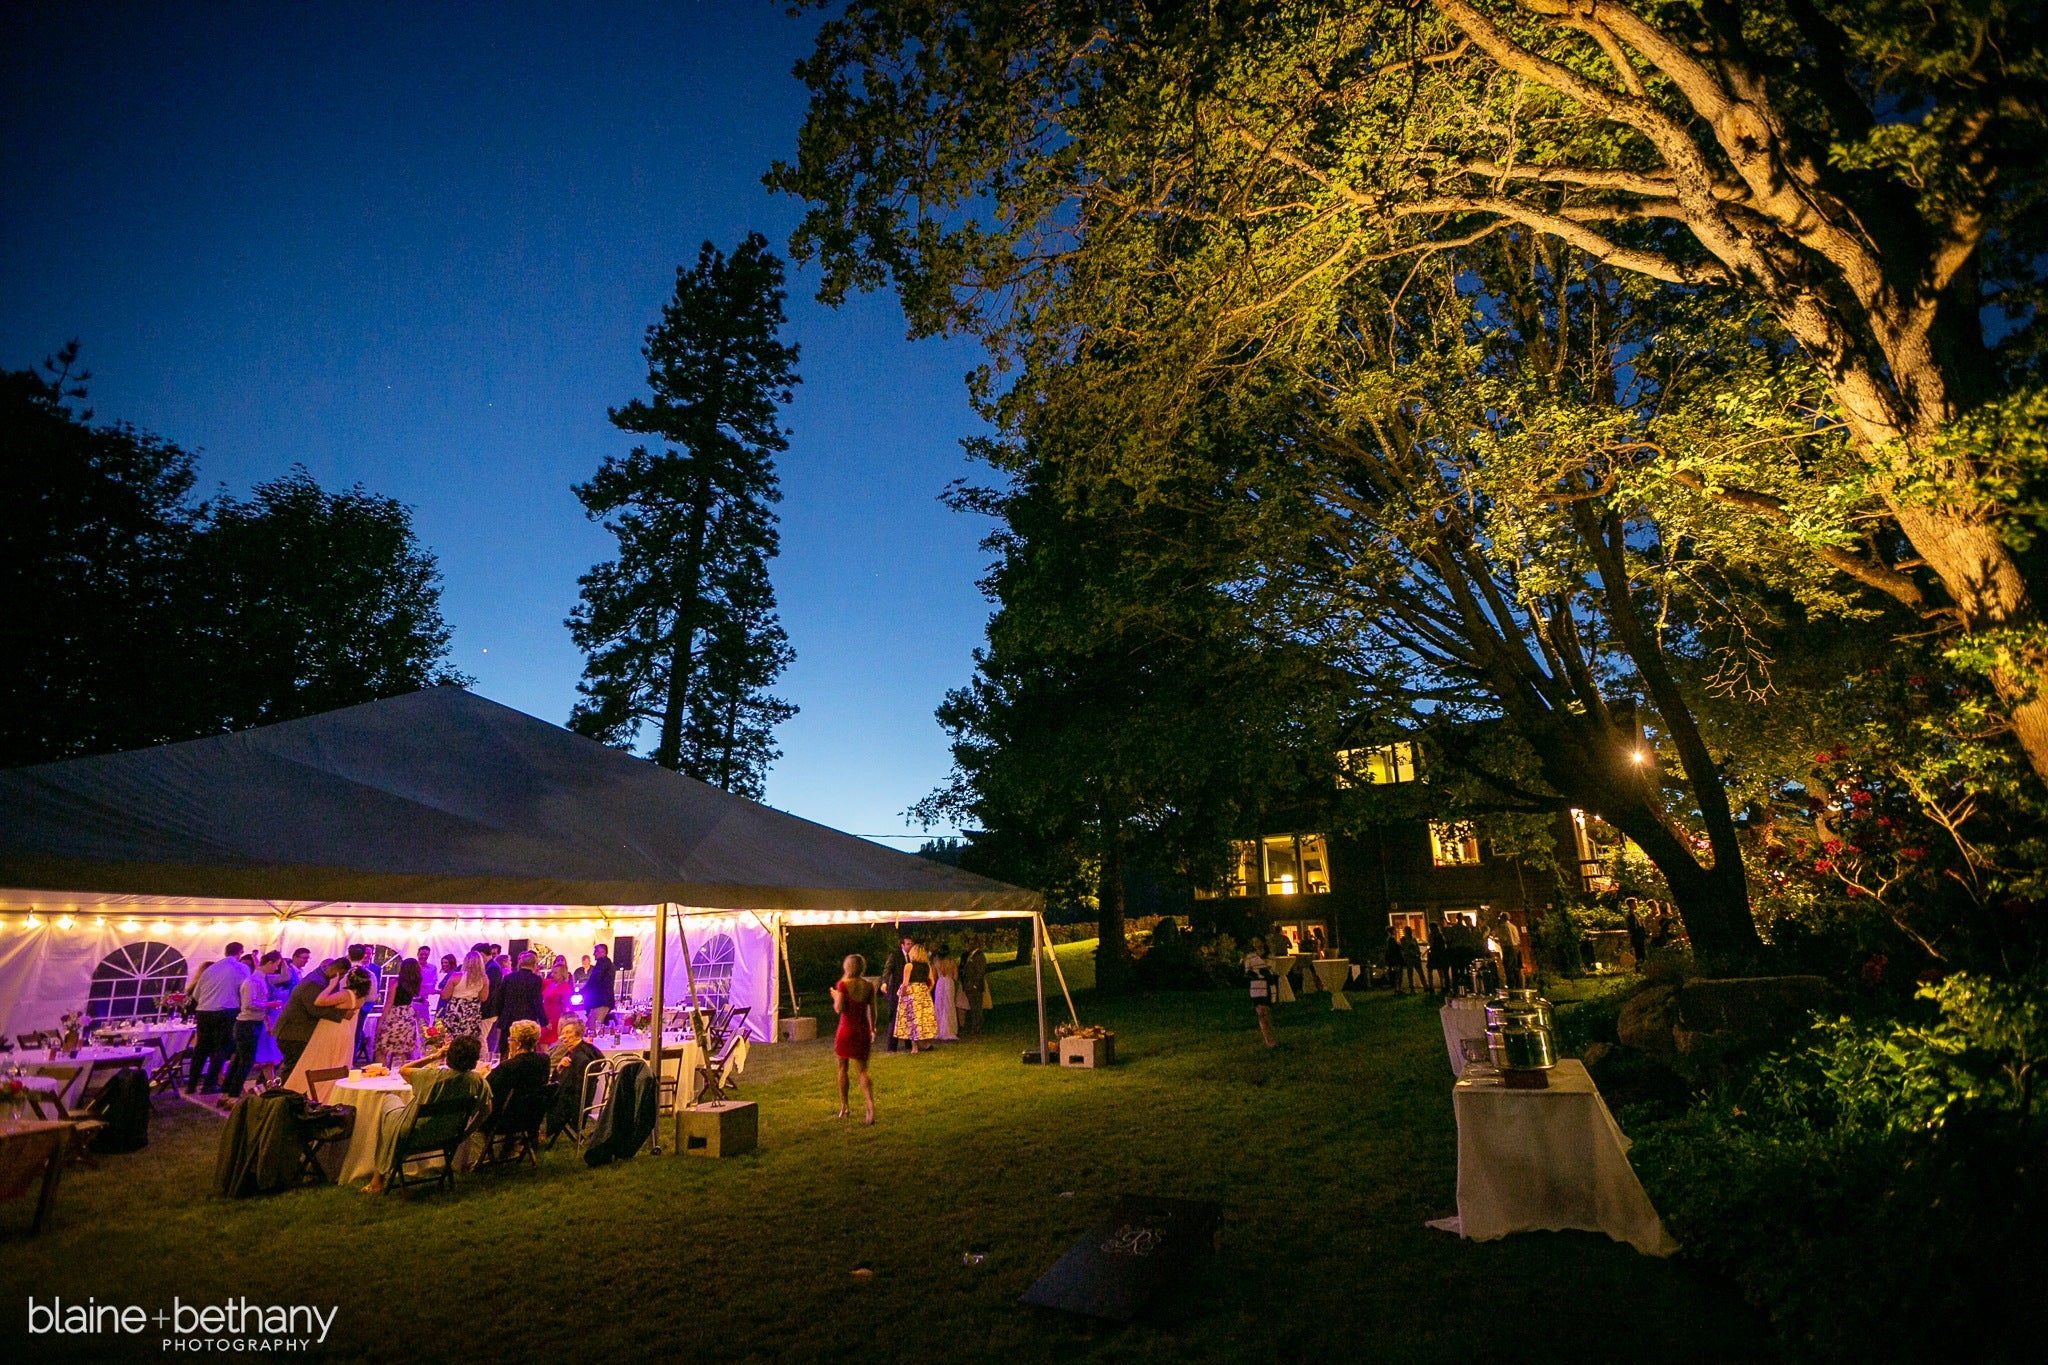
{"x": 33, "y": 922}
{"x": 63, "y": 921}
{"x": 129, "y": 926}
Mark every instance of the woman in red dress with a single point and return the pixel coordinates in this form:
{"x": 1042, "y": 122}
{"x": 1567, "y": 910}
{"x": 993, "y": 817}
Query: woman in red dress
{"x": 854, "y": 997}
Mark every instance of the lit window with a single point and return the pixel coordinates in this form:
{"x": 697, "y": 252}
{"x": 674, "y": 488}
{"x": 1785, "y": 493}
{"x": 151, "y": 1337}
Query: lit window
{"x": 1378, "y": 767}
{"x": 1295, "y": 864}
{"x": 1315, "y": 864}
{"x": 129, "y": 980}
{"x": 1283, "y": 871}
{"x": 1452, "y": 843}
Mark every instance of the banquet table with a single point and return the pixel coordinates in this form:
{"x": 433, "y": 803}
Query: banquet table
{"x": 32, "y": 1156}
{"x": 377, "y": 1100}
{"x": 1334, "y": 972}
{"x": 168, "y": 1039}
{"x": 1463, "y": 1016}
{"x": 89, "y": 1060}
{"x": 1545, "y": 1161}
{"x": 673, "y": 1046}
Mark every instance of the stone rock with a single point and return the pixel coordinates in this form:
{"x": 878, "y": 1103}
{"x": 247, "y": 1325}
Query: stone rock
{"x": 1595, "y": 1053}
{"x": 1746, "y": 1011}
{"x": 1646, "y": 1019}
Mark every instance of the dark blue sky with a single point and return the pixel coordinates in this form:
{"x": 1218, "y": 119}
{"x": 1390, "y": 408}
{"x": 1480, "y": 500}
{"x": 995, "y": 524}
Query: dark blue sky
{"x": 416, "y": 246}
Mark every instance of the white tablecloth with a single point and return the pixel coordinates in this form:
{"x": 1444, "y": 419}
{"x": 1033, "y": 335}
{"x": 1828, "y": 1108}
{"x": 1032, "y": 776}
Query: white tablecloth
{"x": 41, "y": 1091}
{"x": 1545, "y": 1161}
{"x": 377, "y": 1100}
{"x": 1464, "y": 1016}
{"x": 88, "y": 1061}
{"x": 170, "y": 1039}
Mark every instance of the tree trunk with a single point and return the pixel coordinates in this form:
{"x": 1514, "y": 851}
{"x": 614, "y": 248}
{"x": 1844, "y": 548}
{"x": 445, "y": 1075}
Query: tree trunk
{"x": 1978, "y": 570}
{"x": 1113, "y": 968}
{"x": 668, "y": 751}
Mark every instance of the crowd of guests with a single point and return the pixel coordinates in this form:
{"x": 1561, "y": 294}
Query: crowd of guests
{"x": 277, "y": 1019}
{"x": 271, "y": 1016}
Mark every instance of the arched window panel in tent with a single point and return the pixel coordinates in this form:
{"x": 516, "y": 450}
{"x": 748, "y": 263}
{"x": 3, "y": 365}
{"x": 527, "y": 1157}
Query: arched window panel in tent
{"x": 711, "y": 964}
{"x": 131, "y": 979}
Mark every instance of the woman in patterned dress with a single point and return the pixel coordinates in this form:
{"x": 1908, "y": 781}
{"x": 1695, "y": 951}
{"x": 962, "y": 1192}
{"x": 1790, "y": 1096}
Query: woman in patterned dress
{"x": 398, "y": 1036}
{"x": 916, "y": 1021}
{"x": 462, "y": 1000}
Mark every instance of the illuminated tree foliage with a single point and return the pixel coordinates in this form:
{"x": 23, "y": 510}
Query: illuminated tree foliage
{"x": 1867, "y": 173}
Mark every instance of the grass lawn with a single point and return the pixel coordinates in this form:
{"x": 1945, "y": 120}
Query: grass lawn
{"x": 1328, "y": 1156}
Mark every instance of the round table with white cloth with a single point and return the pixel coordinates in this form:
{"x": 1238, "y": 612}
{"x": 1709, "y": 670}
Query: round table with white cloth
{"x": 1463, "y": 1016}
{"x": 1334, "y": 972}
{"x": 377, "y": 1100}
{"x": 1547, "y": 1161}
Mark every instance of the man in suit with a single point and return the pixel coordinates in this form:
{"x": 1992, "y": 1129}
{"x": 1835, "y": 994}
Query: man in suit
{"x": 300, "y": 1016}
{"x": 519, "y": 998}
{"x": 892, "y": 986}
{"x": 598, "y": 988}
{"x": 973, "y": 980}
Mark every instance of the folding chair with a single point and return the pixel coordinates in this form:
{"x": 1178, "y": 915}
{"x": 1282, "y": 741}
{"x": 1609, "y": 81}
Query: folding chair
{"x": 322, "y": 1076}
{"x": 82, "y": 1129}
{"x": 514, "y": 1132}
{"x": 597, "y": 1089}
{"x": 320, "y": 1127}
{"x": 164, "y": 1080}
{"x": 716, "y": 1074}
{"x": 437, "y": 1129}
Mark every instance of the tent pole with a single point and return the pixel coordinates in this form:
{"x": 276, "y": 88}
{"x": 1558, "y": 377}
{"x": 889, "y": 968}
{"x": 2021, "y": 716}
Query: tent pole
{"x": 789, "y": 974}
{"x": 1061, "y": 976}
{"x": 1038, "y": 973}
{"x": 654, "y": 1026}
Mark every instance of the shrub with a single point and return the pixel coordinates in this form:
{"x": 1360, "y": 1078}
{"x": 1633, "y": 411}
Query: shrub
{"x": 1879, "y": 1190}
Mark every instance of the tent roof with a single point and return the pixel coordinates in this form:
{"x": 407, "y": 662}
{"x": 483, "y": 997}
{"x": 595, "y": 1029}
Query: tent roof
{"x": 442, "y": 798}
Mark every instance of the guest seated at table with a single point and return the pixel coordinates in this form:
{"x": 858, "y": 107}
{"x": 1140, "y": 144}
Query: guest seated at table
{"x": 447, "y": 1073}
{"x": 573, "y": 1056}
{"x": 524, "y": 1067}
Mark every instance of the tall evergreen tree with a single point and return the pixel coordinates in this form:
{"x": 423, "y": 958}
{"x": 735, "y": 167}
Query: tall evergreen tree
{"x": 681, "y": 629}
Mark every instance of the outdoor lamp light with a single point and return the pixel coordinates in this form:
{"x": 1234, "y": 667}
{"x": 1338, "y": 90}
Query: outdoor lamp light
{"x": 1640, "y": 757}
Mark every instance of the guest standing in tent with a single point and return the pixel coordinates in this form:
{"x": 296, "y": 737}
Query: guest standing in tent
{"x": 520, "y": 997}
{"x": 334, "y": 1042}
{"x": 430, "y": 980}
{"x": 917, "y": 1023}
{"x": 891, "y": 1002}
{"x": 598, "y": 989}
{"x": 554, "y": 998}
{"x": 462, "y": 999}
{"x": 973, "y": 983}
{"x": 398, "y": 1037}
{"x": 217, "y": 998}
{"x": 250, "y": 1019}
{"x": 946, "y": 993}
{"x": 854, "y": 999}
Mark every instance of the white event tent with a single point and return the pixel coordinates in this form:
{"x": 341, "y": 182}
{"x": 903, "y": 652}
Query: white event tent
{"x": 437, "y": 818}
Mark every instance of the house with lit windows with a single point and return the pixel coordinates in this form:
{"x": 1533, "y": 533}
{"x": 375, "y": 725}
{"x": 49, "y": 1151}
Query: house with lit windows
{"x": 1350, "y": 889}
